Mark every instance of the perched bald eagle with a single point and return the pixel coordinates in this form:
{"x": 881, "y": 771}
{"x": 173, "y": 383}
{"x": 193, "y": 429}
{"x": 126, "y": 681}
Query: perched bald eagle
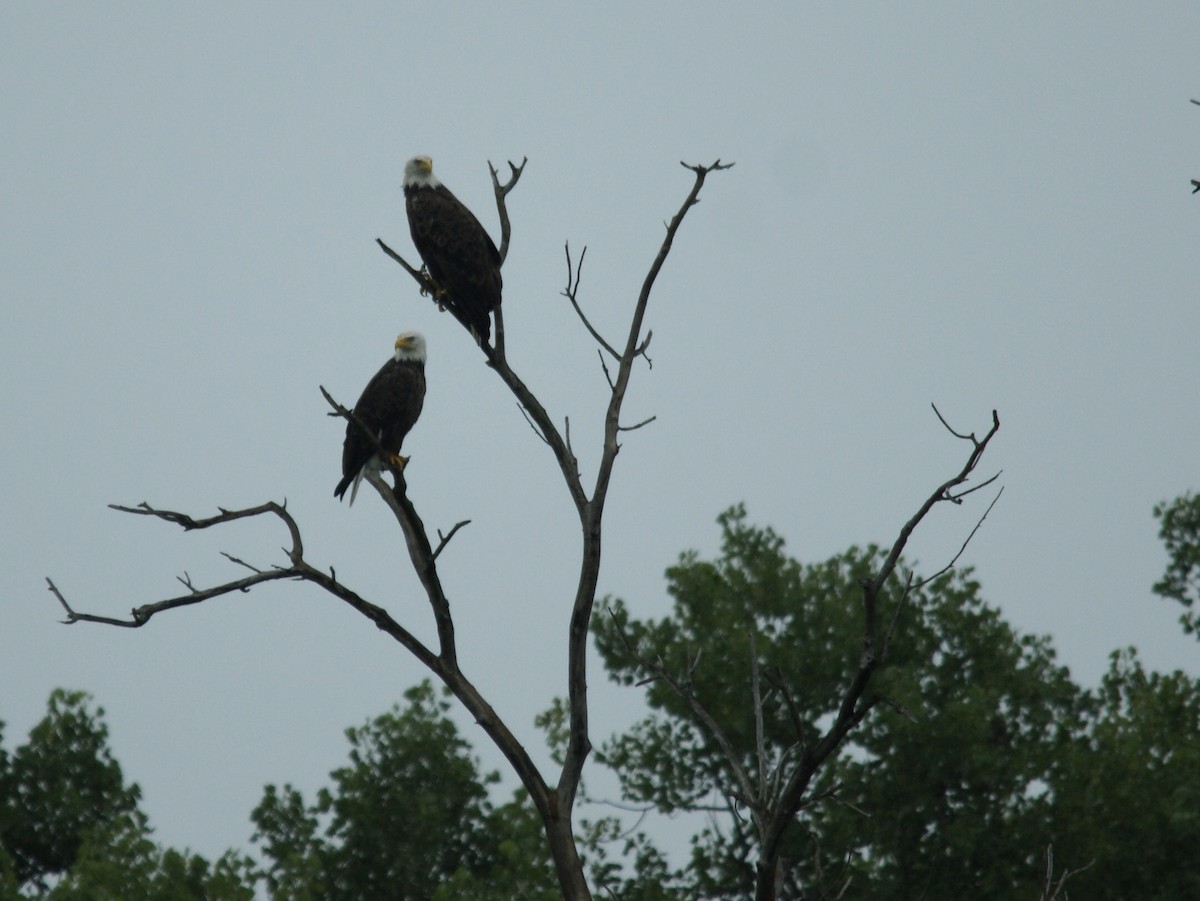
{"x": 389, "y": 406}
{"x": 460, "y": 256}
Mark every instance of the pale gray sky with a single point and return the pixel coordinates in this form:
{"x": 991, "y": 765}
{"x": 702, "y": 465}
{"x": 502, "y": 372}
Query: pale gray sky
{"x": 932, "y": 202}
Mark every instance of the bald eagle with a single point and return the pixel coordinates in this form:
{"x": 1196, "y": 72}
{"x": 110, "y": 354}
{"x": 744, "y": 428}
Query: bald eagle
{"x": 389, "y": 406}
{"x": 460, "y": 256}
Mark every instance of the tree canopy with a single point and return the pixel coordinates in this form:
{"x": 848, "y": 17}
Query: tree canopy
{"x": 407, "y": 818}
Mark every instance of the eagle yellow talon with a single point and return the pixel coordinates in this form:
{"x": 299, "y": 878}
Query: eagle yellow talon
{"x": 397, "y": 462}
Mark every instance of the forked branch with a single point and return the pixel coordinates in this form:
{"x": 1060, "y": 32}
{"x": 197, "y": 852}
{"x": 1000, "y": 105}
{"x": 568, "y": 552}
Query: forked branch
{"x": 501, "y": 192}
{"x": 571, "y": 293}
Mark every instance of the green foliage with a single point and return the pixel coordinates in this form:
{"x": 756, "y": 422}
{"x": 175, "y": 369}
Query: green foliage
{"x": 408, "y": 818}
{"x": 521, "y": 867}
{"x": 59, "y": 786}
{"x": 71, "y": 830}
{"x": 1180, "y": 532}
{"x": 1127, "y": 790}
{"x": 922, "y": 803}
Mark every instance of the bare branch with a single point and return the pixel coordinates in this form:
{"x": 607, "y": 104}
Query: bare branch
{"x": 949, "y": 566}
{"x": 607, "y": 375}
{"x": 570, "y": 292}
{"x": 630, "y": 428}
{"x": 942, "y": 418}
{"x": 422, "y": 556}
{"x": 239, "y": 562}
{"x": 428, "y": 287}
{"x": 533, "y": 425}
{"x": 444, "y": 540}
{"x": 641, "y": 349}
{"x": 957, "y": 498}
{"x": 501, "y": 191}
{"x": 424, "y": 282}
{"x": 940, "y": 494}
{"x": 188, "y": 523}
{"x": 73, "y": 617}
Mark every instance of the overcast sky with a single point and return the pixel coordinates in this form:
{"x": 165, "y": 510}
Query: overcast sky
{"x": 931, "y": 203}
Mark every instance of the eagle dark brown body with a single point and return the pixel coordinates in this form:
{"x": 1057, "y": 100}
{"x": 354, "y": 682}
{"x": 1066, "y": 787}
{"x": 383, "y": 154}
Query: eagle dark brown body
{"x": 388, "y": 407}
{"x": 458, "y": 252}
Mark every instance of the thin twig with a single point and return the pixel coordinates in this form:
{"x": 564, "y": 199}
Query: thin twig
{"x": 533, "y": 425}
{"x": 570, "y": 292}
{"x": 240, "y": 562}
{"x": 970, "y": 437}
{"x": 635, "y": 426}
{"x": 607, "y": 375}
{"x": 444, "y": 540}
{"x": 949, "y": 566}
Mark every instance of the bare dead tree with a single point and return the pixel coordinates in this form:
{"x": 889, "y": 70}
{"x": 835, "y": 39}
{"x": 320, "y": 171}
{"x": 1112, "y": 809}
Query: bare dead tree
{"x": 775, "y": 789}
{"x": 554, "y": 800}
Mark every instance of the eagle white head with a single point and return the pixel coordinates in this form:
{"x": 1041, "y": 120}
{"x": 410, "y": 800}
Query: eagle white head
{"x": 418, "y": 173}
{"x": 410, "y": 348}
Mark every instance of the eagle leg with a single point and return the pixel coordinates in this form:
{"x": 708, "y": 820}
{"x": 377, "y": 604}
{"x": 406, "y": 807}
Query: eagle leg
{"x": 438, "y": 293}
{"x": 397, "y": 462}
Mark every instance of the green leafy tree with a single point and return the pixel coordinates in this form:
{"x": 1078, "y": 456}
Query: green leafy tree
{"x": 408, "y": 818}
{"x": 940, "y": 792}
{"x": 1126, "y": 792}
{"x": 71, "y": 829}
{"x": 1179, "y": 530}
{"x": 60, "y": 786}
